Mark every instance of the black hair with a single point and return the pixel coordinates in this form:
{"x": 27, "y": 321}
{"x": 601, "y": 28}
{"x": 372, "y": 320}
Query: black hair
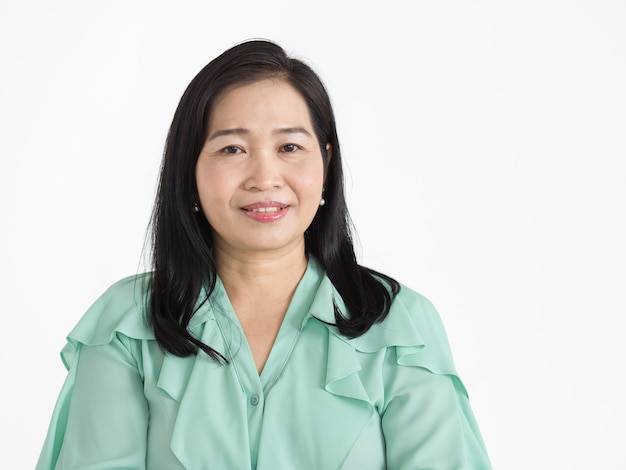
{"x": 182, "y": 241}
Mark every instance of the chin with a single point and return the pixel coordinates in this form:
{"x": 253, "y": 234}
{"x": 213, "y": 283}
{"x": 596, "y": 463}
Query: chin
{"x": 272, "y": 245}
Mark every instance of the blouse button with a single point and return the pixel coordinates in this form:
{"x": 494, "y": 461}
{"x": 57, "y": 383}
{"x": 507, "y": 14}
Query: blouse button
{"x": 254, "y": 400}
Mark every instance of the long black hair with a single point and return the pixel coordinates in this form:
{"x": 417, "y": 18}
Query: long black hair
{"x": 182, "y": 240}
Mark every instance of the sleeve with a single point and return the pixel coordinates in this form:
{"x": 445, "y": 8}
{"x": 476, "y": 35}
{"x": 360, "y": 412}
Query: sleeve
{"x": 428, "y": 423}
{"x": 101, "y": 417}
{"x": 426, "y": 419}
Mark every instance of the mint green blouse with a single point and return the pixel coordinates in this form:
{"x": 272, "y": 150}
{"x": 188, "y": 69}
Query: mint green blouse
{"x": 390, "y": 398}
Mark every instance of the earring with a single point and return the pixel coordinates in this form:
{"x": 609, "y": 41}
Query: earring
{"x": 196, "y": 207}
{"x": 322, "y": 202}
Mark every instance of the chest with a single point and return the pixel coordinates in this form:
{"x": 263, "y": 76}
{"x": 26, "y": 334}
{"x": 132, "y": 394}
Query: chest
{"x": 261, "y": 336}
{"x": 292, "y": 415}
{"x": 260, "y": 323}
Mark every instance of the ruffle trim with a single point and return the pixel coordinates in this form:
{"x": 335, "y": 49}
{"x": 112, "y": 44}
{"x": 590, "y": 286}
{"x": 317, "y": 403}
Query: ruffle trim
{"x": 119, "y": 310}
{"x": 413, "y": 328}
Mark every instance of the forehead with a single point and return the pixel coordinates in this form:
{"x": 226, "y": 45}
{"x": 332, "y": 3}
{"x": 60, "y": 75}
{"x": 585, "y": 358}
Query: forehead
{"x": 264, "y": 101}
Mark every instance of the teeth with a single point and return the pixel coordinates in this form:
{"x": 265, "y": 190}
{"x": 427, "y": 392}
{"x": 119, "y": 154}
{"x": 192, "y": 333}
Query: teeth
{"x": 266, "y": 209}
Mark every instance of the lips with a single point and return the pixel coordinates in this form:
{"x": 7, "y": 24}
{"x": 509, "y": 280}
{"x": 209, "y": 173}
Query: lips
{"x": 267, "y": 211}
{"x": 270, "y": 206}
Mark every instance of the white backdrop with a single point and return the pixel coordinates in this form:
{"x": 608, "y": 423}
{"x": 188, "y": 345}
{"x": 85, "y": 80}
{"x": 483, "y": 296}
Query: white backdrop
{"x": 485, "y": 149}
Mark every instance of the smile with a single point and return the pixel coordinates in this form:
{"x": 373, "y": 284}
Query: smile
{"x": 265, "y": 209}
{"x": 270, "y": 211}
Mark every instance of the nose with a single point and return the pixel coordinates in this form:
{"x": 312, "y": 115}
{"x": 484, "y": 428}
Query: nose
{"x": 263, "y": 172}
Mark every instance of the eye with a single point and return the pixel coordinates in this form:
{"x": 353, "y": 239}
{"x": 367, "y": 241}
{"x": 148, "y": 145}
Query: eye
{"x": 231, "y": 149}
{"x": 289, "y": 148}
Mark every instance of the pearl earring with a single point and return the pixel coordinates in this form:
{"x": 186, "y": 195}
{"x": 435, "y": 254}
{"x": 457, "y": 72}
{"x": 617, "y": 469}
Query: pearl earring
{"x": 322, "y": 202}
{"x": 196, "y": 207}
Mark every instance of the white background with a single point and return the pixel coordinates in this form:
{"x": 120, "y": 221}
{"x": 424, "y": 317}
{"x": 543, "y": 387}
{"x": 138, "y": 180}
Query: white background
{"x": 485, "y": 151}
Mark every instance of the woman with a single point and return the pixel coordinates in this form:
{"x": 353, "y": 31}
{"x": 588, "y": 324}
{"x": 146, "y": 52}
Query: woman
{"x": 257, "y": 341}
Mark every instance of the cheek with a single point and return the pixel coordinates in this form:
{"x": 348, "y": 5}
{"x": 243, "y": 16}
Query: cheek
{"x": 211, "y": 184}
{"x": 213, "y": 196}
{"x": 312, "y": 181}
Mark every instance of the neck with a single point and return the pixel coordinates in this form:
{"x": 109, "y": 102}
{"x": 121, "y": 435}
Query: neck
{"x": 249, "y": 277}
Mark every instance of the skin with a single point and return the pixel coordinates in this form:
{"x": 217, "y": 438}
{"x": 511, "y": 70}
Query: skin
{"x": 261, "y": 149}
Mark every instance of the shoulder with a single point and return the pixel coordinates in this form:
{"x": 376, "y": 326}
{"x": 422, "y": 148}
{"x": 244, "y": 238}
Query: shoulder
{"x": 127, "y": 294}
{"x": 410, "y": 299}
{"x": 407, "y": 304}
{"x": 414, "y": 308}
{"x": 120, "y": 309}
{"x": 414, "y": 330}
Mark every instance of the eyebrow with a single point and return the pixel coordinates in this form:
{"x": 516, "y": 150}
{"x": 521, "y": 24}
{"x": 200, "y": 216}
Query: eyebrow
{"x": 242, "y": 131}
{"x": 292, "y": 130}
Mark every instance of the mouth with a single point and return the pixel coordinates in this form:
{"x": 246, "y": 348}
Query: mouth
{"x": 265, "y": 207}
{"x": 268, "y": 211}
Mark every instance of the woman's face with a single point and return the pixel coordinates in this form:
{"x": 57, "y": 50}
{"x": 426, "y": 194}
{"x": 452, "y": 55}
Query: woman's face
{"x": 260, "y": 172}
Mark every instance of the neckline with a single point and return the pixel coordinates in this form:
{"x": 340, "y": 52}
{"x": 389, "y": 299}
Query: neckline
{"x": 237, "y": 349}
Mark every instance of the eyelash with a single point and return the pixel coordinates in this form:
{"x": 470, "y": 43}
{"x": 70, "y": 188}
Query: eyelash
{"x": 233, "y": 149}
{"x": 295, "y": 147}
{"x": 227, "y": 150}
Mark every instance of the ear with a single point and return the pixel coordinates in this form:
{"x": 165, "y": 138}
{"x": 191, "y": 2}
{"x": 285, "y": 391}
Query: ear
{"x": 329, "y": 156}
